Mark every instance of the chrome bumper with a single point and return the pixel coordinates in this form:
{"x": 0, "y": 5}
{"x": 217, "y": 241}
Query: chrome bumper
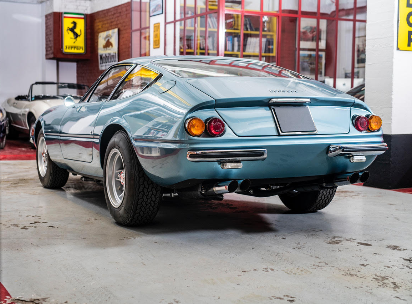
{"x": 225, "y": 156}
{"x": 357, "y": 150}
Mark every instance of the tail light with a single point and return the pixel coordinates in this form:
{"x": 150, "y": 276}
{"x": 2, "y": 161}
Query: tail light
{"x": 195, "y": 126}
{"x": 361, "y": 123}
{"x": 375, "y": 123}
{"x": 215, "y": 126}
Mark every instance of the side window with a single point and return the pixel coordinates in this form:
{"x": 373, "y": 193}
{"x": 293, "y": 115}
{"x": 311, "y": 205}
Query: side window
{"x": 135, "y": 82}
{"x": 108, "y": 83}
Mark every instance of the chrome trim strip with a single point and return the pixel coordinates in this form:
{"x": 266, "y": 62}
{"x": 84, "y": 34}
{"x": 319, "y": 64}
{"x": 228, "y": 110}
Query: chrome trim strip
{"x": 73, "y": 135}
{"x": 289, "y": 100}
{"x": 227, "y": 155}
{"x": 354, "y": 150}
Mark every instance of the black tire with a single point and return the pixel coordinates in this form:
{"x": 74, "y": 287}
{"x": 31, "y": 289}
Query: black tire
{"x": 141, "y": 196}
{"x": 3, "y": 142}
{"x": 54, "y": 177}
{"x": 305, "y": 202}
{"x": 32, "y": 121}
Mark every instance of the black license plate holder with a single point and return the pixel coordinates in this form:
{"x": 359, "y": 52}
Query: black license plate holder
{"x": 294, "y": 120}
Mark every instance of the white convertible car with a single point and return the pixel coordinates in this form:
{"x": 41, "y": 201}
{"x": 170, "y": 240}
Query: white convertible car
{"x": 24, "y": 110}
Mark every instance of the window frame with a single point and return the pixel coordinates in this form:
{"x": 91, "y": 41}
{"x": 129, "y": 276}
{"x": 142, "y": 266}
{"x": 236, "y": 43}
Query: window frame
{"x": 159, "y": 76}
{"x": 97, "y": 82}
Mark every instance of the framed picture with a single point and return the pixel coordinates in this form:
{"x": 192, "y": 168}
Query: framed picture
{"x": 360, "y": 52}
{"x": 308, "y": 33}
{"x": 308, "y": 64}
{"x": 156, "y": 7}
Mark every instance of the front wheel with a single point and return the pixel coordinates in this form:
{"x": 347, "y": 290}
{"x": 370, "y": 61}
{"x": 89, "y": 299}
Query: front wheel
{"x": 131, "y": 197}
{"x": 305, "y": 202}
{"x": 51, "y": 176}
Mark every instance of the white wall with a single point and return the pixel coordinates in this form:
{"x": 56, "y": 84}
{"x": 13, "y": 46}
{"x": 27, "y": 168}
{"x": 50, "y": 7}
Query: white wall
{"x": 380, "y": 50}
{"x": 22, "y": 50}
{"x": 158, "y": 19}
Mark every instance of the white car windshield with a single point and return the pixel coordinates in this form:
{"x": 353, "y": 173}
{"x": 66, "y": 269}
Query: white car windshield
{"x": 57, "y": 90}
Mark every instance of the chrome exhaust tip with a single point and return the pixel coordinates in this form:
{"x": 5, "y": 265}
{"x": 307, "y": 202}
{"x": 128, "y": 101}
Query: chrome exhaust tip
{"x": 245, "y": 185}
{"x": 221, "y": 188}
{"x": 364, "y": 176}
{"x": 354, "y": 178}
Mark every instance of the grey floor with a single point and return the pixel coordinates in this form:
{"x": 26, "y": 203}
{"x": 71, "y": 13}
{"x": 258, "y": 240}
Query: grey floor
{"x": 62, "y": 246}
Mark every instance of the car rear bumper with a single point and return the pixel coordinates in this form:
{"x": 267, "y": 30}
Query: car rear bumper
{"x": 168, "y": 164}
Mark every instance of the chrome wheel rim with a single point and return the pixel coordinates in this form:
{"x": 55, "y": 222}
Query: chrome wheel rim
{"x": 42, "y": 157}
{"x": 115, "y": 178}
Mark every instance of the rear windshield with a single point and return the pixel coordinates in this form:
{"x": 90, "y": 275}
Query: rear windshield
{"x": 224, "y": 68}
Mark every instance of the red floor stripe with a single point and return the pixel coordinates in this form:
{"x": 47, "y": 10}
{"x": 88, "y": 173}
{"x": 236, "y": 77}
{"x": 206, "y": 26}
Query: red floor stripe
{"x": 18, "y": 149}
{"x": 4, "y": 295}
{"x": 405, "y": 190}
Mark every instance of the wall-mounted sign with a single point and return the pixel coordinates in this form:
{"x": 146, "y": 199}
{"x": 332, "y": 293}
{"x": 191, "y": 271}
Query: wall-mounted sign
{"x": 74, "y": 33}
{"x": 108, "y": 48}
{"x": 156, "y": 35}
{"x": 405, "y": 25}
{"x": 156, "y": 7}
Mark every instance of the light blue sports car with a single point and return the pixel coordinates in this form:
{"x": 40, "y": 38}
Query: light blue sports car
{"x": 200, "y": 127}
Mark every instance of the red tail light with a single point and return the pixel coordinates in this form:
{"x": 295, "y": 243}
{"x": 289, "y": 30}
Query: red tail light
{"x": 361, "y": 123}
{"x": 215, "y": 126}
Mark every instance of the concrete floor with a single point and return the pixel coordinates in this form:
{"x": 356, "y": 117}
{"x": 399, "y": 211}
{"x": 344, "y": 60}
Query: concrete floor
{"x": 62, "y": 246}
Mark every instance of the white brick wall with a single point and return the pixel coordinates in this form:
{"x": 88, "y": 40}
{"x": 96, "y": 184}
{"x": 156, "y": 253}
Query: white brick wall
{"x": 388, "y": 81}
{"x": 81, "y": 6}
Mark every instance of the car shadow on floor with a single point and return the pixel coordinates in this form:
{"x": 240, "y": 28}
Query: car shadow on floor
{"x": 180, "y": 215}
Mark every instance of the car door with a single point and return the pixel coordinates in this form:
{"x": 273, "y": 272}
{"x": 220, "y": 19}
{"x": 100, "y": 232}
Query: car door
{"x": 77, "y": 125}
{"x": 14, "y": 110}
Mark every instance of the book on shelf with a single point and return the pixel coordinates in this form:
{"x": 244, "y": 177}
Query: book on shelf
{"x": 211, "y": 43}
{"x": 211, "y": 21}
{"x": 248, "y": 26}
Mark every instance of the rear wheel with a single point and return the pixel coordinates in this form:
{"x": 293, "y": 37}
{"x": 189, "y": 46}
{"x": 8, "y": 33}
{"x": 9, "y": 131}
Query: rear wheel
{"x": 131, "y": 197}
{"x": 13, "y": 133}
{"x": 306, "y": 202}
{"x": 51, "y": 176}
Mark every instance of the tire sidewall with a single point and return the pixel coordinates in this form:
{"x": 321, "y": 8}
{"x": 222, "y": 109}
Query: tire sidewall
{"x": 46, "y": 177}
{"x": 121, "y": 214}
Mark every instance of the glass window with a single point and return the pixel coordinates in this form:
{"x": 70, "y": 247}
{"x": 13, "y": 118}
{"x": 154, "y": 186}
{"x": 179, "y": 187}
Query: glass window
{"x": 145, "y": 13}
{"x": 221, "y": 68}
{"x": 290, "y": 7}
{"x": 271, "y": 6}
{"x": 135, "y": 14}
{"x": 310, "y": 7}
{"x": 135, "y": 82}
{"x": 180, "y": 9}
{"x": 108, "y": 83}
{"x": 360, "y": 51}
{"x": 211, "y": 34}
{"x": 346, "y": 8}
{"x": 190, "y": 36}
{"x": 252, "y": 5}
{"x": 361, "y": 9}
{"x": 233, "y": 22}
{"x": 269, "y": 26}
{"x": 136, "y": 44}
{"x": 180, "y": 29}
{"x": 251, "y": 38}
{"x": 233, "y": 4}
{"x": 327, "y": 8}
{"x": 330, "y": 52}
{"x": 170, "y": 10}
{"x": 344, "y": 55}
{"x": 201, "y": 6}
{"x": 145, "y": 46}
{"x": 170, "y": 34}
{"x": 288, "y": 44}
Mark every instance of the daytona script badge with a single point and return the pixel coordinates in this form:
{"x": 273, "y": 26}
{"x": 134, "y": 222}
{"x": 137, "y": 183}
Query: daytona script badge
{"x": 283, "y": 91}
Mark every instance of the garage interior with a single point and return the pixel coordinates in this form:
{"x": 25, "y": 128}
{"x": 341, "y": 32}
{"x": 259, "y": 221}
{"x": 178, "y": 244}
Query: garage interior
{"x": 63, "y": 246}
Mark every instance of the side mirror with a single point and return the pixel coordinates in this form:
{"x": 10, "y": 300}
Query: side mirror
{"x": 69, "y": 101}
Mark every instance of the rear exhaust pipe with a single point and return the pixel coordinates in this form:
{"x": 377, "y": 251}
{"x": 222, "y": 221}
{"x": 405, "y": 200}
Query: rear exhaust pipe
{"x": 221, "y": 188}
{"x": 364, "y": 177}
{"x": 354, "y": 178}
{"x": 244, "y": 185}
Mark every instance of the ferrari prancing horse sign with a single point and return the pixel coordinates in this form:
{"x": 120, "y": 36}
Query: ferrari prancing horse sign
{"x": 405, "y": 25}
{"x": 74, "y": 33}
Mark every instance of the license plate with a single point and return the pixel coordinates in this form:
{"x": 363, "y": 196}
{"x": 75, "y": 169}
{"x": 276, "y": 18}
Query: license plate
{"x": 294, "y": 120}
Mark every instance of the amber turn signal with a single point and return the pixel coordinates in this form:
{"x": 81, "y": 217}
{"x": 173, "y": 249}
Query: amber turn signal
{"x": 375, "y": 123}
{"x": 195, "y": 126}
